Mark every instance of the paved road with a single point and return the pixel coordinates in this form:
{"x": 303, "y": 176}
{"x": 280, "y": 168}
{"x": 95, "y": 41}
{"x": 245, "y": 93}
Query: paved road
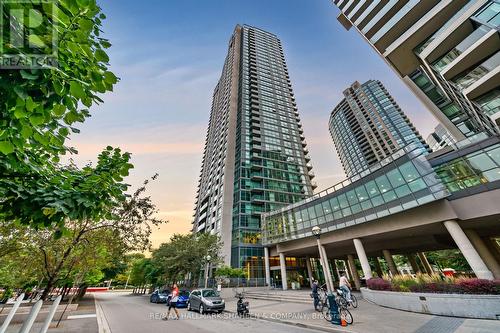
{"x": 125, "y": 313}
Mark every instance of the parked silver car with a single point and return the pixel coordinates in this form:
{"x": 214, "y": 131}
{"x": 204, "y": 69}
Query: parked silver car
{"x": 205, "y": 300}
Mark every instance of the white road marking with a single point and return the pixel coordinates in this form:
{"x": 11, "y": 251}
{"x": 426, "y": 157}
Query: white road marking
{"x": 90, "y": 315}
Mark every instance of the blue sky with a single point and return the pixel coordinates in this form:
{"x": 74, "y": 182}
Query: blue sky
{"x": 169, "y": 55}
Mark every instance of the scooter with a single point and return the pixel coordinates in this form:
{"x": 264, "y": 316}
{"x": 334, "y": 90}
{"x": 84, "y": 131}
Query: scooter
{"x": 241, "y": 305}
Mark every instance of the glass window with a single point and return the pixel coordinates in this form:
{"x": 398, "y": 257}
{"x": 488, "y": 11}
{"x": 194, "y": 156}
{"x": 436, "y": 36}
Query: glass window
{"x": 326, "y": 207}
{"x": 352, "y": 197}
{"x": 319, "y": 210}
{"x": 334, "y": 203}
{"x": 361, "y": 193}
{"x": 402, "y": 191}
{"x": 312, "y": 213}
{"x": 395, "y": 178}
{"x": 417, "y": 185}
{"x": 480, "y": 161}
{"x": 389, "y": 196}
{"x": 495, "y": 155}
{"x": 372, "y": 188}
{"x": 492, "y": 175}
{"x": 383, "y": 184}
{"x": 409, "y": 172}
{"x": 377, "y": 201}
{"x": 343, "y": 201}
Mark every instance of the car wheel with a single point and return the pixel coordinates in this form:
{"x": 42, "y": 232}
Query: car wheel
{"x": 189, "y": 306}
{"x": 202, "y": 309}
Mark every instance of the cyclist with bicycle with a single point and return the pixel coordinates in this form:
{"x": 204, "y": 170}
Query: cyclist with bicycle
{"x": 345, "y": 286}
{"x": 315, "y": 294}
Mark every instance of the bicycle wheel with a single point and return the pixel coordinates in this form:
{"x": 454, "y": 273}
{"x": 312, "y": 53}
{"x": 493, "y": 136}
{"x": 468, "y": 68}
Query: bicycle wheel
{"x": 342, "y": 302}
{"x": 325, "y": 311}
{"x": 346, "y": 315}
{"x": 354, "y": 301}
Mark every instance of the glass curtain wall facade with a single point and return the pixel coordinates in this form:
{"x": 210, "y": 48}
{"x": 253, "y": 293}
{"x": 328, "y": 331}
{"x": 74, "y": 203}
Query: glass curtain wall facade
{"x": 368, "y": 126}
{"x": 270, "y": 164}
{"x": 448, "y": 54}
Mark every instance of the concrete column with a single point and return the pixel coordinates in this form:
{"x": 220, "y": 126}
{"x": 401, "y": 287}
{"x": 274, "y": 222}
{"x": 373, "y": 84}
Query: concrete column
{"x": 354, "y": 271}
{"x": 283, "y": 271}
{"x": 365, "y": 265}
{"x": 413, "y": 263}
{"x": 390, "y": 262}
{"x": 266, "y": 265}
{"x": 346, "y": 269}
{"x": 309, "y": 270}
{"x": 328, "y": 273}
{"x": 378, "y": 268}
{"x": 335, "y": 270}
{"x": 473, "y": 258}
{"x": 427, "y": 266}
{"x": 484, "y": 252}
{"x": 493, "y": 246}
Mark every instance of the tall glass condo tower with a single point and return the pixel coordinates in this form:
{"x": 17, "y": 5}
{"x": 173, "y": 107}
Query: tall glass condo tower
{"x": 255, "y": 157}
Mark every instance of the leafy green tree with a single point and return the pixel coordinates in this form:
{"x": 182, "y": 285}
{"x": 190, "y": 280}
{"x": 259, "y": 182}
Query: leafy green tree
{"x": 448, "y": 259}
{"x": 229, "y": 272}
{"x": 87, "y": 244}
{"x": 39, "y": 108}
{"x": 184, "y": 255}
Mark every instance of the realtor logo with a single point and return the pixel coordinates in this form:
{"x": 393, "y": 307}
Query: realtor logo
{"x": 28, "y": 34}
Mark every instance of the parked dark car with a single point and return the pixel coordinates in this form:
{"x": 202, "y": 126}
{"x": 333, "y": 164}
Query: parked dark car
{"x": 183, "y": 300}
{"x": 205, "y": 300}
{"x": 159, "y": 296}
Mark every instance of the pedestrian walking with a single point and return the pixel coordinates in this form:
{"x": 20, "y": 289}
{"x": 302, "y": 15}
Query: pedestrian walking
{"x": 345, "y": 286}
{"x": 173, "y": 302}
{"x": 315, "y": 294}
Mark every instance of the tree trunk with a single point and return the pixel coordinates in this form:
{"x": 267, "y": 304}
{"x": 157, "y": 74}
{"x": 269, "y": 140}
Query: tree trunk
{"x": 48, "y": 288}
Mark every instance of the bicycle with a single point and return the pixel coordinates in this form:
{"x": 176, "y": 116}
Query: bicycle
{"x": 344, "y": 313}
{"x": 343, "y": 299}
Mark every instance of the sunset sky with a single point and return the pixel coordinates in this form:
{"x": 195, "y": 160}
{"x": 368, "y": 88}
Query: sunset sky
{"x": 169, "y": 55}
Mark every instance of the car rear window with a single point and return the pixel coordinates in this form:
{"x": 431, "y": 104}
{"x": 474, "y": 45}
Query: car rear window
{"x": 210, "y": 293}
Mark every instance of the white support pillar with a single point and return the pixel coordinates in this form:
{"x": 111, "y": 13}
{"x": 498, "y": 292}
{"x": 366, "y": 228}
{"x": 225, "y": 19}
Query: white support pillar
{"x": 427, "y": 266}
{"x": 328, "y": 273}
{"x": 266, "y": 266}
{"x": 365, "y": 265}
{"x": 309, "y": 270}
{"x": 354, "y": 271}
{"x": 284, "y": 282}
{"x": 471, "y": 255}
{"x": 484, "y": 252}
{"x": 390, "y": 262}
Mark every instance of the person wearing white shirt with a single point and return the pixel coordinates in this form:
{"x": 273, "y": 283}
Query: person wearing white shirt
{"x": 345, "y": 286}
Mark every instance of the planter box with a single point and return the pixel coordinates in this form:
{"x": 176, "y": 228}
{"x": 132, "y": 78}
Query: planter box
{"x": 455, "y": 305}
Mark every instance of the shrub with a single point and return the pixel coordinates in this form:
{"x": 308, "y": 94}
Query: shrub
{"x": 478, "y": 286}
{"x": 378, "y": 284}
{"x": 436, "y": 284}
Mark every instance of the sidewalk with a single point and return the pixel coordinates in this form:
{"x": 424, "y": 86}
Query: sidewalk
{"x": 368, "y": 318}
{"x": 82, "y": 320}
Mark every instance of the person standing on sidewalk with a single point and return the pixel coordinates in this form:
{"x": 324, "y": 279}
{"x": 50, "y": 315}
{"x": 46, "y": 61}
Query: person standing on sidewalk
{"x": 315, "y": 294}
{"x": 173, "y": 302}
{"x": 345, "y": 286}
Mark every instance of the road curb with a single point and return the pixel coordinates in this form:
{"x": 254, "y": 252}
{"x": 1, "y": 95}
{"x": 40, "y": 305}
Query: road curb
{"x": 102, "y": 321}
{"x": 301, "y": 325}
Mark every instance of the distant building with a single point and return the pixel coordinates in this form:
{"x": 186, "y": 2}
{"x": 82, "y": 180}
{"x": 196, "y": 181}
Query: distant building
{"x": 446, "y": 51}
{"x": 368, "y": 126}
{"x": 440, "y": 138}
{"x": 255, "y": 157}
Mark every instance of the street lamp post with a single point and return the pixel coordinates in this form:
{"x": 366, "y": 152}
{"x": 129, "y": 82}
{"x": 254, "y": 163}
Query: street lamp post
{"x": 334, "y": 311}
{"x": 207, "y": 267}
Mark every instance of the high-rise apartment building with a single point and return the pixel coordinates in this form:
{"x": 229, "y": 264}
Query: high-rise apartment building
{"x": 440, "y": 138}
{"x": 446, "y": 51}
{"x": 368, "y": 125}
{"x": 255, "y": 157}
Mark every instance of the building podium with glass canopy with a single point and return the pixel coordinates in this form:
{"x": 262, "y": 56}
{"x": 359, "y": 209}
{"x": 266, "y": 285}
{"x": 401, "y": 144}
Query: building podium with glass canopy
{"x": 407, "y": 204}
